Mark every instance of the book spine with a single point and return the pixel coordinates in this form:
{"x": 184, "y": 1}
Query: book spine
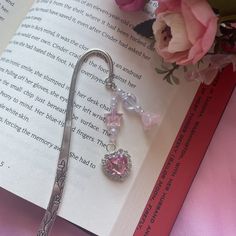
{"x": 185, "y": 156}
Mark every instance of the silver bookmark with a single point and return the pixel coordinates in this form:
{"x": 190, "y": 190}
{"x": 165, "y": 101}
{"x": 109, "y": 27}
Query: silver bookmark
{"x": 62, "y": 165}
{"x": 117, "y": 163}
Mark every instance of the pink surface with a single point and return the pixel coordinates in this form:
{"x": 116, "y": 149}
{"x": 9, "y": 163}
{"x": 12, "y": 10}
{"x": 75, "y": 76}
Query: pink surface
{"x": 209, "y": 209}
{"x": 210, "y": 206}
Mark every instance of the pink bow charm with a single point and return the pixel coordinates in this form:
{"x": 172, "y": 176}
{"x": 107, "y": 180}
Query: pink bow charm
{"x": 149, "y": 119}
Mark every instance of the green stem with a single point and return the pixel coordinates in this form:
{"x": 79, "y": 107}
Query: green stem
{"x": 172, "y": 70}
{"x": 227, "y": 18}
{"x": 175, "y": 66}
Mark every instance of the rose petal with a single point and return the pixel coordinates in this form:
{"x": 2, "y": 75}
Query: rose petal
{"x": 168, "y": 5}
{"x": 123, "y": 2}
{"x": 133, "y": 5}
{"x": 199, "y": 19}
{"x": 201, "y": 10}
{"x": 194, "y": 28}
{"x": 179, "y": 41}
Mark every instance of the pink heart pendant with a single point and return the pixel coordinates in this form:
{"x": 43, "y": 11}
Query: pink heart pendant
{"x": 117, "y": 165}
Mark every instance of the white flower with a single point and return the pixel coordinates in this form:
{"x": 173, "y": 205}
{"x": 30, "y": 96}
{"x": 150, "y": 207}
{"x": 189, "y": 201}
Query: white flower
{"x": 170, "y": 33}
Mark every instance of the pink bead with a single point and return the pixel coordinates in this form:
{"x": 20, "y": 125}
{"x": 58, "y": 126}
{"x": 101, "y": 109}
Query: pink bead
{"x": 149, "y": 119}
{"x": 113, "y": 119}
{"x": 117, "y": 165}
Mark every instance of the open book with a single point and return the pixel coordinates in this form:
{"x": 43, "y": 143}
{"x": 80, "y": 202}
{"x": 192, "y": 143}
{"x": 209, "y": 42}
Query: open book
{"x": 40, "y": 43}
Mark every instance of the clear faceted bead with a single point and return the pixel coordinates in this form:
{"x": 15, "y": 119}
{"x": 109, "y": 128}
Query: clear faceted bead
{"x": 129, "y": 102}
{"x": 138, "y": 109}
{"x": 121, "y": 93}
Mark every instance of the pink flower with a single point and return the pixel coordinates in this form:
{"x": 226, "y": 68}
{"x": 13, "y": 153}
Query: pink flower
{"x": 216, "y": 63}
{"x": 131, "y": 5}
{"x": 184, "y": 30}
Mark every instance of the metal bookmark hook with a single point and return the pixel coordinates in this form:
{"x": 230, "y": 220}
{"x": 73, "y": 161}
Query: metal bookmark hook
{"x": 62, "y": 165}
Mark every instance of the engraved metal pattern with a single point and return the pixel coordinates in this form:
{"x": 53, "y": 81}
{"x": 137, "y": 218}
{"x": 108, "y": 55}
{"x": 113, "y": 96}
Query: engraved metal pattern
{"x": 62, "y": 166}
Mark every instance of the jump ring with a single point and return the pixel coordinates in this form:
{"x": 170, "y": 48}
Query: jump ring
{"x": 111, "y": 147}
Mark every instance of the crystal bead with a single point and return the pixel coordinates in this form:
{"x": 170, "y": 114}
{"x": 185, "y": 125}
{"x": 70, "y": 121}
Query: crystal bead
{"x": 121, "y": 93}
{"x": 138, "y": 109}
{"x": 117, "y": 165}
{"x": 129, "y": 102}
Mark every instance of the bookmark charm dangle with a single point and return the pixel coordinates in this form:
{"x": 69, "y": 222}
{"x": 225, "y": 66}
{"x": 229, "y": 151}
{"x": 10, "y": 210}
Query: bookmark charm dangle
{"x": 117, "y": 163}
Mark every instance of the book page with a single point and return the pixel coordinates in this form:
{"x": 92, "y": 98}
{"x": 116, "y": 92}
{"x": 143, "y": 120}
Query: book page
{"x": 36, "y": 70}
{"x": 11, "y": 14}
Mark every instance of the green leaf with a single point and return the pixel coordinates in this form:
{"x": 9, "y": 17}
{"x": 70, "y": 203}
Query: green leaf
{"x": 159, "y": 71}
{"x": 145, "y": 28}
{"x": 167, "y": 78}
{"x": 199, "y": 63}
{"x": 226, "y": 8}
{"x": 165, "y": 67}
{"x": 175, "y": 79}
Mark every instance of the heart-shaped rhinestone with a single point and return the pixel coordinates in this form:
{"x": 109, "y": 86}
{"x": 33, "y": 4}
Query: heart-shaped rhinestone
{"x": 117, "y": 165}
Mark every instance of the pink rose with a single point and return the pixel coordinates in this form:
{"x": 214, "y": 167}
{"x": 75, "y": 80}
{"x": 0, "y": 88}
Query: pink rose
{"x": 184, "y": 30}
{"x": 131, "y": 5}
